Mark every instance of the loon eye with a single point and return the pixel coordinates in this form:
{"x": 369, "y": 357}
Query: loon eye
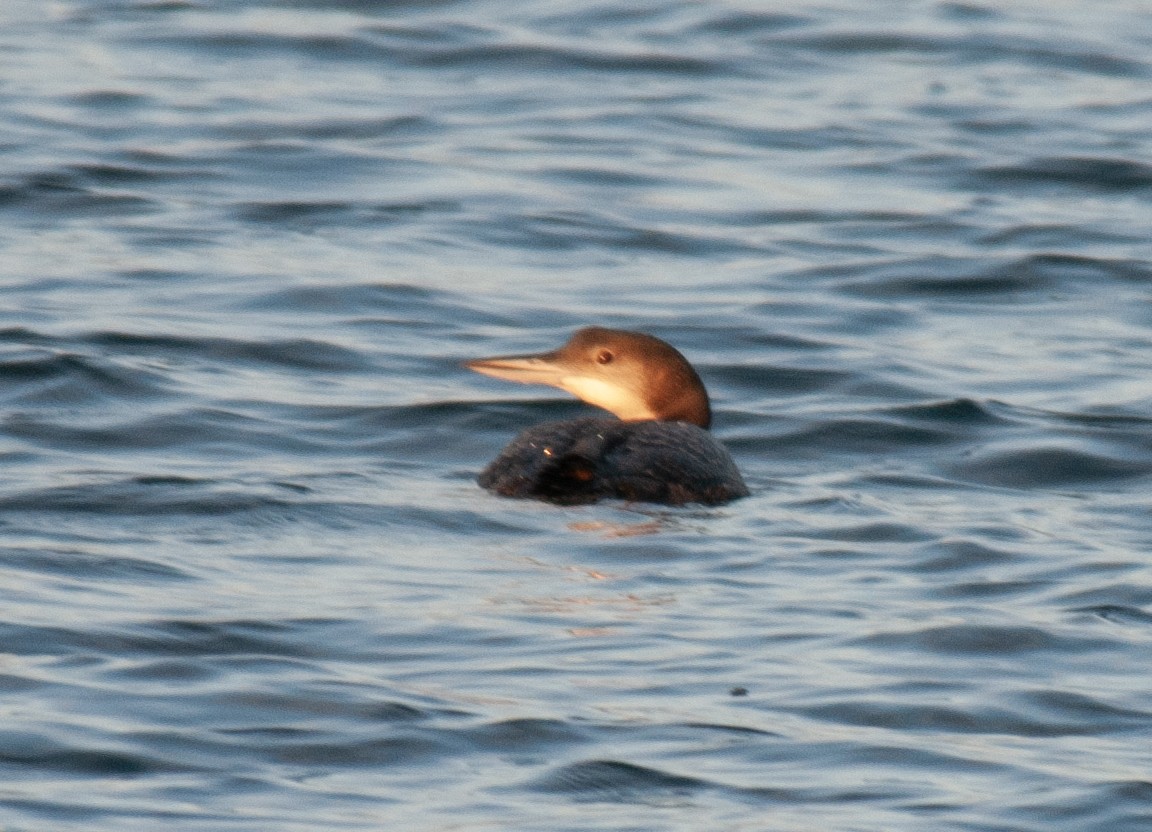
{"x": 604, "y": 357}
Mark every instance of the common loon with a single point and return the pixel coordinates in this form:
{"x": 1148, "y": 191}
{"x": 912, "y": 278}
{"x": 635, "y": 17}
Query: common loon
{"x": 658, "y": 451}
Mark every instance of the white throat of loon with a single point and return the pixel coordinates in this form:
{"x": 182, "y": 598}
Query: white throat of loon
{"x": 632, "y": 375}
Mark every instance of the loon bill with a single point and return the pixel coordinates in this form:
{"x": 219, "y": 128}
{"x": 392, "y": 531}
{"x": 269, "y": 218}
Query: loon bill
{"x": 658, "y": 450}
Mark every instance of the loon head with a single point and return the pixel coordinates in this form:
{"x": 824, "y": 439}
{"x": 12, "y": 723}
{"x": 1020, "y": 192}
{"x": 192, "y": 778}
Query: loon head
{"x": 633, "y": 375}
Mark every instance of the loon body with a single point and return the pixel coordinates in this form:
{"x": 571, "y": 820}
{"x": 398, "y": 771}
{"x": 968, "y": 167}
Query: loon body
{"x": 658, "y": 450}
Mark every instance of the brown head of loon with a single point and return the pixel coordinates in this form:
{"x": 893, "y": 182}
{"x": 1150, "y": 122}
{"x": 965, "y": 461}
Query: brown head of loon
{"x": 658, "y": 450}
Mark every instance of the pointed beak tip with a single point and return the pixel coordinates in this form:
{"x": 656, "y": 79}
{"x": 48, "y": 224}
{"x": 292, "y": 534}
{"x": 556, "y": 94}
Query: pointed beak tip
{"x": 524, "y": 369}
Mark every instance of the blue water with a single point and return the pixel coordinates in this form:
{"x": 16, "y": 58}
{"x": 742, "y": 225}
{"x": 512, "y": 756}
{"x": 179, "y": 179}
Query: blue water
{"x": 248, "y": 580}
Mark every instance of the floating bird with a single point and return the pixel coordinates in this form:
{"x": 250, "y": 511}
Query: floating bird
{"x": 658, "y": 450}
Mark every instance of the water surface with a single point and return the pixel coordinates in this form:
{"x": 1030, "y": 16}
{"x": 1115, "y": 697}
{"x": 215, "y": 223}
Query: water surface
{"x": 249, "y": 580}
